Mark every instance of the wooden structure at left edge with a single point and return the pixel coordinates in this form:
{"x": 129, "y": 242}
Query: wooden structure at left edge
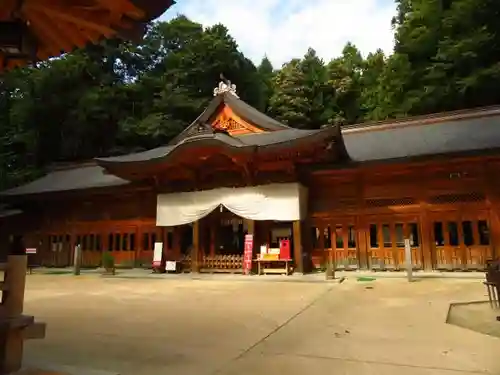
{"x": 353, "y": 194}
{"x": 32, "y": 30}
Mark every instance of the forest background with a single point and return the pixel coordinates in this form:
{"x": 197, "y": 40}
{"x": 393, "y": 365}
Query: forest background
{"x": 116, "y": 97}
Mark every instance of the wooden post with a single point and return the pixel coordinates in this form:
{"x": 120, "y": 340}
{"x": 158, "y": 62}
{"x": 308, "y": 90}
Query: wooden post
{"x": 297, "y": 247}
{"x": 408, "y": 260}
{"x": 78, "y": 260}
{"x": 176, "y": 243}
{"x": 13, "y": 302}
{"x": 15, "y": 327}
{"x": 330, "y": 265}
{"x": 15, "y": 282}
{"x": 426, "y": 244}
{"x": 195, "y": 250}
{"x": 213, "y": 239}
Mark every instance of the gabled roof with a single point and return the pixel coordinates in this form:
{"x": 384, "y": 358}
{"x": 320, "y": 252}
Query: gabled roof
{"x": 240, "y": 108}
{"x": 200, "y": 132}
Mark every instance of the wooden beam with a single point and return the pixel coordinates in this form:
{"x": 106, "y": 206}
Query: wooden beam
{"x": 43, "y": 27}
{"x": 195, "y": 251}
{"x": 83, "y": 20}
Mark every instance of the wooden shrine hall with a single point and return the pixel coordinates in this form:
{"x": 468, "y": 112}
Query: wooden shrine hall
{"x": 354, "y": 193}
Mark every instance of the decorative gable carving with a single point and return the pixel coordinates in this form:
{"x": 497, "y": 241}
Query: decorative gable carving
{"x": 227, "y": 121}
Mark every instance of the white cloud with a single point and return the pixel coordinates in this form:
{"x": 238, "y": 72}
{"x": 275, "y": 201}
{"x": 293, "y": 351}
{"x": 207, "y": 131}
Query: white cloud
{"x": 284, "y": 29}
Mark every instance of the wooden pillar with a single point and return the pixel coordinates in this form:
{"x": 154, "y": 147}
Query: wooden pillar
{"x": 195, "y": 250}
{"x": 297, "y": 247}
{"x": 139, "y": 242}
{"x": 307, "y": 245}
{"x": 495, "y": 230}
{"x": 213, "y": 239}
{"x": 176, "y": 243}
{"x": 426, "y": 245}
{"x": 363, "y": 241}
{"x": 320, "y": 227}
{"x": 13, "y": 303}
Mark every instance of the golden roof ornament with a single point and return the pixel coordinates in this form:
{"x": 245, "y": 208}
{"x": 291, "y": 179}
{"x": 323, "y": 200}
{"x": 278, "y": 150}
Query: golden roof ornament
{"x": 225, "y": 85}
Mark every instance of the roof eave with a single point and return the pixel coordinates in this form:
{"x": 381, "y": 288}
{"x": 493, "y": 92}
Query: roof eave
{"x": 118, "y": 167}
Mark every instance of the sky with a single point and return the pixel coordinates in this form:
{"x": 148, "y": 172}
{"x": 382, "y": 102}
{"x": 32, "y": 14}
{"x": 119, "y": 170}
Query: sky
{"x": 285, "y": 29}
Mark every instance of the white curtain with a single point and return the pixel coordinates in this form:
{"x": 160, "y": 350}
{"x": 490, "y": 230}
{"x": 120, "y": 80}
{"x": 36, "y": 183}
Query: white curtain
{"x": 281, "y": 202}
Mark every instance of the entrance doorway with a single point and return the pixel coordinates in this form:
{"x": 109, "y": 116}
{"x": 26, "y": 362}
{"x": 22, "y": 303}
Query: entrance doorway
{"x": 336, "y": 238}
{"x": 386, "y": 242}
{"x": 57, "y": 250}
{"x": 341, "y": 241}
{"x": 461, "y": 240}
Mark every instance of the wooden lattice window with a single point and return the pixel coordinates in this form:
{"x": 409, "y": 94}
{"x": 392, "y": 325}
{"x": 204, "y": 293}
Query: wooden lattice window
{"x": 457, "y": 198}
{"x": 384, "y": 202}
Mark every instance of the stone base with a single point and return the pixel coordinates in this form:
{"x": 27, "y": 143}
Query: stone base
{"x": 476, "y": 316}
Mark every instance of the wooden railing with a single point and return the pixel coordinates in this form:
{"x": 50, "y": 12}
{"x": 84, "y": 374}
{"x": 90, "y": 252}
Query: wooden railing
{"x": 14, "y": 326}
{"x": 222, "y": 263}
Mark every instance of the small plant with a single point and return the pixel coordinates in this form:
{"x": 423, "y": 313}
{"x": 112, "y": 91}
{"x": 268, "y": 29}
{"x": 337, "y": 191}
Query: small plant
{"x": 108, "y": 261}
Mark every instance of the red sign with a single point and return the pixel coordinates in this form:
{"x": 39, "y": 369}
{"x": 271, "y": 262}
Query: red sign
{"x": 248, "y": 254}
{"x": 285, "y": 250}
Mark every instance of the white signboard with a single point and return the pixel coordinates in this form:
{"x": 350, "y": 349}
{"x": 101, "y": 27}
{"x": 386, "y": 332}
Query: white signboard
{"x": 157, "y": 254}
{"x": 263, "y": 249}
{"x": 170, "y": 266}
{"x": 31, "y": 250}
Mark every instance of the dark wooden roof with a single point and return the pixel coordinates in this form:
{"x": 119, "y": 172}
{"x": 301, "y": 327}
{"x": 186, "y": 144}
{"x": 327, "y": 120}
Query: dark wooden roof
{"x": 76, "y": 177}
{"x": 458, "y": 132}
{"x": 452, "y": 133}
{"x": 56, "y": 27}
{"x": 153, "y": 8}
{"x": 230, "y": 143}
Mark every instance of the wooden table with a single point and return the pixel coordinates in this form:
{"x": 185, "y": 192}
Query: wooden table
{"x": 263, "y": 270}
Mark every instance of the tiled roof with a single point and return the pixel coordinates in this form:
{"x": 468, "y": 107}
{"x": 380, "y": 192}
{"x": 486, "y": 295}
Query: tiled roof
{"x": 412, "y": 139}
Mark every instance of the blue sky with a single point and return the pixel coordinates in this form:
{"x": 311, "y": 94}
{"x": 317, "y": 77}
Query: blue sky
{"x": 284, "y": 29}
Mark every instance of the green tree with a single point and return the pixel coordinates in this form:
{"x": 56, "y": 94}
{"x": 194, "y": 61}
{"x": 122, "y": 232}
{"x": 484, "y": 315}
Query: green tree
{"x": 299, "y": 92}
{"x": 266, "y": 75}
{"x": 344, "y": 78}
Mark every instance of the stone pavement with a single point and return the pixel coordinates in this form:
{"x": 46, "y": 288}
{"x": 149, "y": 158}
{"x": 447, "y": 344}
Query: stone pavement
{"x": 185, "y": 326}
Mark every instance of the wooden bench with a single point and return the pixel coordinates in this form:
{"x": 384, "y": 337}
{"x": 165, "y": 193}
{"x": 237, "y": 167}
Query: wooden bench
{"x": 285, "y": 268}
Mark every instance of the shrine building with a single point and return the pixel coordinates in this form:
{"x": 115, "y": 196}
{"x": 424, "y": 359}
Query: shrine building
{"x": 353, "y": 194}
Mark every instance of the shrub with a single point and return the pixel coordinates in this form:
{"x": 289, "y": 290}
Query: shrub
{"x": 108, "y": 261}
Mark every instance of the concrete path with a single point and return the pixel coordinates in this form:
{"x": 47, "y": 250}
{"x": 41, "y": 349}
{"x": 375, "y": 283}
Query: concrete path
{"x": 183, "y": 326}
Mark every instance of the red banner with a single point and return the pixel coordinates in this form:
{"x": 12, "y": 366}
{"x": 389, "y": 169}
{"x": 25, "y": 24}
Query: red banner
{"x": 248, "y": 254}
